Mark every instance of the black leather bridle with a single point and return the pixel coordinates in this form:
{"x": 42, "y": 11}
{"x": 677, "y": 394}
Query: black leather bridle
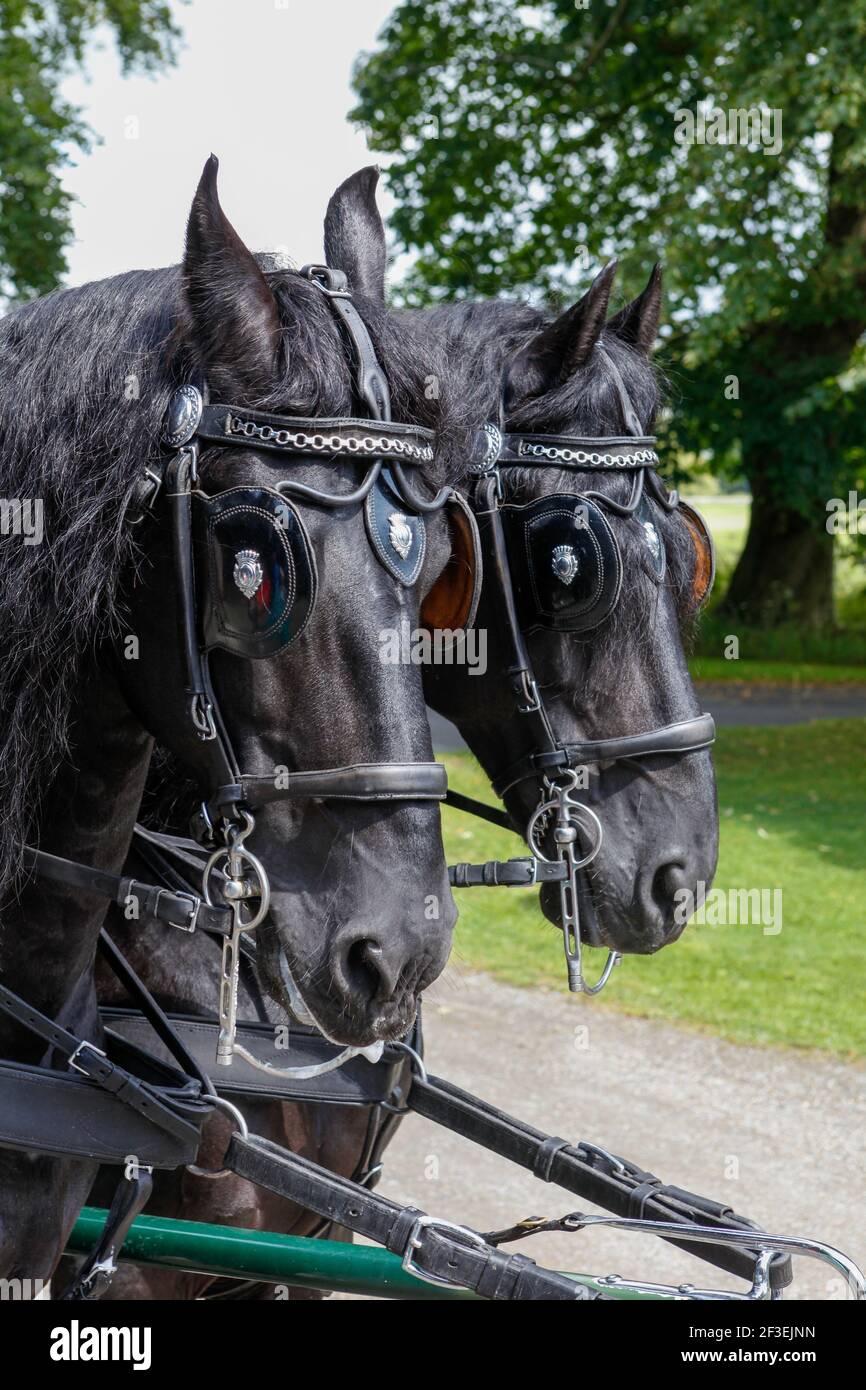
{"x": 551, "y": 761}
{"x": 226, "y": 818}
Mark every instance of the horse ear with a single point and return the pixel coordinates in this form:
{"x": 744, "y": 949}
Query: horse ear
{"x": 233, "y": 316}
{"x": 638, "y": 322}
{"x": 355, "y": 234}
{"x": 561, "y": 348}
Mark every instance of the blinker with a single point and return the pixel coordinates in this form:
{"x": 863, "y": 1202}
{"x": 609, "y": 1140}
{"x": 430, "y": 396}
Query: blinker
{"x": 565, "y": 563}
{"x": 255, "y": 571}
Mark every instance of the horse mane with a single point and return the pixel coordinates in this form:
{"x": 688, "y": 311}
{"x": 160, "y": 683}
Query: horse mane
{"x": 87, "y": 374}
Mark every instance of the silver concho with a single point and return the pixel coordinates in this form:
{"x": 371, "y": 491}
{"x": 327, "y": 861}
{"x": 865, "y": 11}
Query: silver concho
{"x": 183, "y": 416}
{"x": 399, "y": 534}
{"x": 248, "y": 573}
{"x": 492, "y": 451}
{"x": 651, "y": 536}
{"x": 564, "y": 563}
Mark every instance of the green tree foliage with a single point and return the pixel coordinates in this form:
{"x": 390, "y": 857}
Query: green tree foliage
{"x": 531, "y": 142}
{"x": 41, "y": 42}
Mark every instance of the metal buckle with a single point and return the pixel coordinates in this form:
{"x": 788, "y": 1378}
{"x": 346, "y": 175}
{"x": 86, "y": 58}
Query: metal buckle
{"x": 530, "y": 695}
{"x": 93, "y": 1048}
{"x": 201, "y": 713}
{"x": 195, "y": 904}
{"x": 152, "y": 485}
{"x": 334, "y": 283}
{"x": 413, "y": 1243}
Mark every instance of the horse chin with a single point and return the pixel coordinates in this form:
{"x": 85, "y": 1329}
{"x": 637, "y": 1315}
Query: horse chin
{"x": 367, "y": 1035}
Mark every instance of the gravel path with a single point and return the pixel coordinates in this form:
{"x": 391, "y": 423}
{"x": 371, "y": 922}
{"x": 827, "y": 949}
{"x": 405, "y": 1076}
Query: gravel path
{"x": 777, "y": 1134}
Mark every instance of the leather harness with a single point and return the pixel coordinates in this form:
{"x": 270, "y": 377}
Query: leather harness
{"x": 125, "y": 1100}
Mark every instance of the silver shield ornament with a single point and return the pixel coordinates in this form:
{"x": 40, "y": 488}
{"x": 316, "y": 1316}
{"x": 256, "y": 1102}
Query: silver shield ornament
{"x": 651, "y": 536}
{"x": 248, "y": 573}
{"x": 564, "y": 563}
{"x": 399, "y": 534}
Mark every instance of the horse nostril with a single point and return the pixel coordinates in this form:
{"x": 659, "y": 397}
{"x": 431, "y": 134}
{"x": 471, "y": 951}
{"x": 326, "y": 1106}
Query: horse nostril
{"x": 668, "y": 880}
{"x": 367, "y": 970}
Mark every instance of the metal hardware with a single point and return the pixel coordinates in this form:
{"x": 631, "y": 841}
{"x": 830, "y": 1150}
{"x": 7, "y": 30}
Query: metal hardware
{"x": 637, "y": 458}
{"x": 183, "y": 416}
{"x": 414, "y": 1243}
{"x": 492, "y": 452}
{"x": 564, "y": 563}
{"x": 570, "y": 815}
{"x": 91, "y": 1047}
{"x": 770, "y": 1245}
{"x": 201, "y": 713}
{"x": 531, "y": 698}
{"x": 195, "y": 904}
{"x": 247, "y": 572}
{"x": 235, "y": 855}
{"x": 399, "y": 534}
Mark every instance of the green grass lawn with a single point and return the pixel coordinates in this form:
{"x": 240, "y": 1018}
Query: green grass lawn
{"x": 790, "y": 673}
{"x": 793, "y": 812}
{"x": 832, "y": 656}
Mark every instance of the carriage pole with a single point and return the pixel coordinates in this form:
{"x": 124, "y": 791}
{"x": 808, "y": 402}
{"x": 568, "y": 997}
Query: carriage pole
{"x": 268, "y": 1257}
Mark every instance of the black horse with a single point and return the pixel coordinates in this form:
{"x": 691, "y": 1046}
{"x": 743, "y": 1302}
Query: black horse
{"x": 527, "y": 372}
{"x": 550, "y": 381}
{"x": 92, "y": 667}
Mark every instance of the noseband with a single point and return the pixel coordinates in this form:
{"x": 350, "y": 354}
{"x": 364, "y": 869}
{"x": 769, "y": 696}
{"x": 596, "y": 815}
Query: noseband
{"x": 550, "y": 760}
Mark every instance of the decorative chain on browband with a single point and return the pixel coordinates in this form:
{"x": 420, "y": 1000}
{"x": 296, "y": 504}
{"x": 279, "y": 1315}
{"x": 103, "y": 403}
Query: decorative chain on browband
{"x": 638, "y": 458}
{"x": 328, "y": 443}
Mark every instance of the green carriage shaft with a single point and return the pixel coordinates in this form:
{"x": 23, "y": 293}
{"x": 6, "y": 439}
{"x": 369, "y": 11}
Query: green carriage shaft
{"x": 265, "y": 1256}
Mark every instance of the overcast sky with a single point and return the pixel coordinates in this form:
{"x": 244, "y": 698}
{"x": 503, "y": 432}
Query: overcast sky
{"x": 264, "y": 84}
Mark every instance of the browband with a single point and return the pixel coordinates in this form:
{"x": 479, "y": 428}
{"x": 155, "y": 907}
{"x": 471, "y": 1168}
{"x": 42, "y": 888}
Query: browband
{"x": 317, "y": 436}
{"x": 606, "y": 454}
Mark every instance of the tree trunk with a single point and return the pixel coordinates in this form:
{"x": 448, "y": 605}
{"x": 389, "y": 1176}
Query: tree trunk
{"x": 785, "y": 573}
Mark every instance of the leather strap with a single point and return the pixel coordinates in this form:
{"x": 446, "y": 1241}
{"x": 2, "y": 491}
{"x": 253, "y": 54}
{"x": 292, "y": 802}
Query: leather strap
{"x": 508, "y": 873}
{"x": 685, "y": 736}
{"x": 56, "y": 1112}
{"x": 183, "y": 910}
{"x": 92, "y": 1062}
{"x": 586, "y": 1171}
{"x": 93, "y": 1278}
{"x": 328, "y": 440}
{"x": 358, "y": 782}
{"x": 457, "y": 1257}
{"x": 605, "y": 455}
{"x": 357, "y": 1083}
{"x": 479, "y": 808}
